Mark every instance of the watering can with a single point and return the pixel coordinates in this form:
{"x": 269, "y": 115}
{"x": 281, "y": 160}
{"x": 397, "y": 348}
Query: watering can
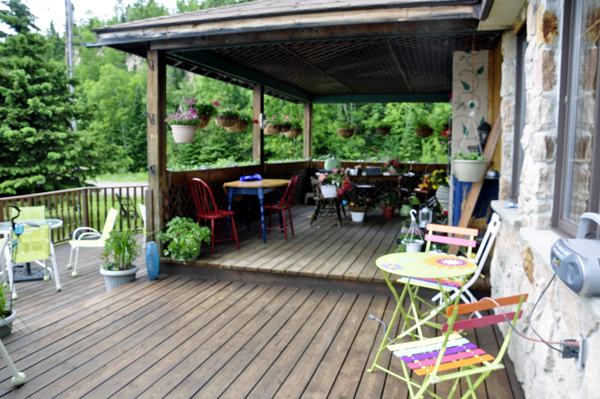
{"x": 332, "y": 163}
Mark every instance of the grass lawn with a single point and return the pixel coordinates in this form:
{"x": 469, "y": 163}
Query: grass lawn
{"x": 138, "y": 177}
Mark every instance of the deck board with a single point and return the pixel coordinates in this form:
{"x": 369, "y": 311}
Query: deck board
{"x": 183, "y": 337}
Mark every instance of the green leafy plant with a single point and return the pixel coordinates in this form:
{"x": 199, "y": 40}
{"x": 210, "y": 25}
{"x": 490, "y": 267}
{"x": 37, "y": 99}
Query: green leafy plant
{"x": 361, "y": 202}
{"x": 390, "y": 199}
{"x": 183, "y": 238}
{"x": 338, "y": 178}
{"x": 5, "y": 304}
{"x": 385, "y": 125}
{"x": 229, "y": 111}
{"x": 205, "y": 108}
{"x": 348, "y": 125}
{"x": 472, "y": 156}
{"x": 123, "y": 248}
{"x": 422, "y": 123}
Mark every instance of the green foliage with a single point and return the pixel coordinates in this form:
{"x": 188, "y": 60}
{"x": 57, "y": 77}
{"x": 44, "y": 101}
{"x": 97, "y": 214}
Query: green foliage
{"x": 472, "y": 156}
{"x": 123, "y": 248}
{"x": 184, "y": 237}
{"x": 390, "y": 199}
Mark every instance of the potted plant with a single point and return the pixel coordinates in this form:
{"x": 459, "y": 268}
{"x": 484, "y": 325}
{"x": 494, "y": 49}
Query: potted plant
{"x": 275, "y": 125}
{"x": 124, "y": 249}
{"x": 184, "y": 122}
{"x": 241, "y": 124}
{"x": 358, "y": 208}
{"x": 295, "y": 129}
{"x": 469, "y": 167}
{"x": 423, "y": 128}
{"x": 383, "y": 128}
{"x": 7, "y": 313}
{"x": 393, "y": 166}
{"x": 183, "y": 238}
{"x": 226, "y": 118}
{"x": 408, "y": 205}
{"x": 334, "y": 184}
{"x": 347, "y": 130}
{"x": 204, "y": 111}
{"x": 439, "y": 181}
{"x": 389, "y": 202}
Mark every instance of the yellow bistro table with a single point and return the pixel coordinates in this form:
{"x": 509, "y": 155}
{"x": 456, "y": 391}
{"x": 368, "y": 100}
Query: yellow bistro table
{"x": 405, "y": 266}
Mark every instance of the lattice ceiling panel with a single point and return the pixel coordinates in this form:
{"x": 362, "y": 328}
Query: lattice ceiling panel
{"x": 399, "y": 65}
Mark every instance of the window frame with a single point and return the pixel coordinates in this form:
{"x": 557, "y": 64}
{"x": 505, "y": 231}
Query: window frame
{"x": 564, "y": 226}
{"x": 519, "y": 114}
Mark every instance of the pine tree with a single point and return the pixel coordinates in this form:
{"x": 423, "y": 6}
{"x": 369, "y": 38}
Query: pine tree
{"x": 40, "y": 152}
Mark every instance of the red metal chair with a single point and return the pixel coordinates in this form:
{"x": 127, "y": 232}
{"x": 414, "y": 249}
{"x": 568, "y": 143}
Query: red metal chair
{"x": 285, "y": 204}
{"x": 207, "y": 209}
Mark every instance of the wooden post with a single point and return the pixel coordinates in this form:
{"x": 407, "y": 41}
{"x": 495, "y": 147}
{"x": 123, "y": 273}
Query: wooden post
{"x": 157, "y": 131}
{"x": 84, "y": 208}
{"x": 258, "y": 144}
{"x": 307, "y": 138}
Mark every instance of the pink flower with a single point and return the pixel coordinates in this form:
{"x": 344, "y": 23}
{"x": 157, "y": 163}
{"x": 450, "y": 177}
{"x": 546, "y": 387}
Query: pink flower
{"x": 216, "y": 103}
{"x": 190, "y": 100}
{"x": 287, "y": 117}
{"x": 335, "y": 170}
{"x": 274, "y": 116}
{"x": 322, "y": 176}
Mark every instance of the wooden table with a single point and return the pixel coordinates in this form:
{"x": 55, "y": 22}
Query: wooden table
{"x": 258, "y": 188}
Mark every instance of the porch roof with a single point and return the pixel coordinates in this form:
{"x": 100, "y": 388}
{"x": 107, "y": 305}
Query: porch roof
{"x": 319, "y": 51}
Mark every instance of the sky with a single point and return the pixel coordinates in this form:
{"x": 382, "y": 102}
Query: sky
{"x": 54, "y": 10}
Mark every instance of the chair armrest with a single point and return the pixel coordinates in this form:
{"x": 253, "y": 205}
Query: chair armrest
{"x": 96, "y": 235}
{"x": 85, "y": 228}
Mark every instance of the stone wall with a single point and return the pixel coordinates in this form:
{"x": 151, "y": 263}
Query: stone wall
{"x": 542, "y": 61}
{"x": 521, "y": 265}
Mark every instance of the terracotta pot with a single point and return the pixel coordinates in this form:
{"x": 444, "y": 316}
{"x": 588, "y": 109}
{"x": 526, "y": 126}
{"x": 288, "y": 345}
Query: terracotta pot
{"x": 204, "y": 119}
{"x": 183, "y": 134}
{"x": 226, "y": 120}
{"x": 423, "y": 132}
{"x": 388, "y": 211}
{"x": 293, "y": 132}
{"x": 346, "y": 133}
{"x": 383, "y": 130}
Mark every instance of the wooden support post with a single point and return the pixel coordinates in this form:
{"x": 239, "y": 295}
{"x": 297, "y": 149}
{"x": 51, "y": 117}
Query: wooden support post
{"x": 258, "y": 143}
{"x": 308, "y": 131}
{"x": 157, "y": 136}
{"x": 473, "y": 196}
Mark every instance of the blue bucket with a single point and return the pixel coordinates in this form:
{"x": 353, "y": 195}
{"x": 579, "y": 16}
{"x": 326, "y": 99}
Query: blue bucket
{"x": 152, "y": 260}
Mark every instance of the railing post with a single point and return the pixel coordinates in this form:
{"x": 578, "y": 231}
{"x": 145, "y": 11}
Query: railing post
{"x": 85, "y": 209}
{"x": 149, "y": 216}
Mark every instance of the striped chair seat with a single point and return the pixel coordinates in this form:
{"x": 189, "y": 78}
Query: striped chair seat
{"x": 459, "y": 353}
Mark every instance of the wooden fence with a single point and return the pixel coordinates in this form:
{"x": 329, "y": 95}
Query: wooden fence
{"x": 86, "y": 206}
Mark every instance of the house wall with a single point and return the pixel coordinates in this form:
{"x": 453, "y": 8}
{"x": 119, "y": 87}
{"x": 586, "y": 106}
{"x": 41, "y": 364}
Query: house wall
{"x": 521, "y": 262}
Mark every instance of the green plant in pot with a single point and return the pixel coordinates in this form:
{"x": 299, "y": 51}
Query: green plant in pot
{"x": 183, "y": 238}
{"x": 123, "y": 248}
{"x": 383, "y": 128}
{"x": 7, "y": 313}
{"x": 469, "y": 167}
{"x": 389, "y": 202}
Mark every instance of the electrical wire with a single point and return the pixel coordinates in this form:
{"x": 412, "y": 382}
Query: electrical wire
{"x": 592, "y": 232}
{"x": 382, "y": 323}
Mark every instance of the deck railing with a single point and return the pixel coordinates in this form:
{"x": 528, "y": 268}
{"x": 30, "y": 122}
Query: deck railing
{"x": 85, "y": 206}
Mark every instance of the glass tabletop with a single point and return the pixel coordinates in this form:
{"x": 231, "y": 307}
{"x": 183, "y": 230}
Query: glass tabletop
{"x": 54, "y": 223}
{"x": 426, "y": 265}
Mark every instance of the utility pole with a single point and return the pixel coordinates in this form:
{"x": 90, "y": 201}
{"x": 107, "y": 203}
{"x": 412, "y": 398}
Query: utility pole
{"x": 69, "y": 43}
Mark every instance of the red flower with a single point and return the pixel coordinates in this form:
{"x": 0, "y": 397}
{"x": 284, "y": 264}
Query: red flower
{"x": 255, "y": 122}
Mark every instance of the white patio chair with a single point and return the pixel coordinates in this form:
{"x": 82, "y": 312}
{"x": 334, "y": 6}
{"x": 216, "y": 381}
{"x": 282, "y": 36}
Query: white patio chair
{"x": 87, "y": 237}
{"x": 143, "y": 213}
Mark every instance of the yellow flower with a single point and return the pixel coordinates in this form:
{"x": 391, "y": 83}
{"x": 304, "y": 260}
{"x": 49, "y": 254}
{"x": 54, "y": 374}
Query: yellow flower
{"x": 446, "y": 179}
{"x": 435, "y": 187}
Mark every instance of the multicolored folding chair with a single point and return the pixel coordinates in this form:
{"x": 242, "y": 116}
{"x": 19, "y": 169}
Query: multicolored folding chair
{"x": 453, "y": 353}
{"x": 454, "y": 286}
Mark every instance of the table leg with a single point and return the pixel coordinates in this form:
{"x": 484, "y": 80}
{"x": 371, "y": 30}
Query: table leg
{"x": 337, "y": 204}
{"x": 262, "y": 214}
{"x": 230, "y": 195}
{"x": 248, "y": 219}
{"x": 316, "y": 214}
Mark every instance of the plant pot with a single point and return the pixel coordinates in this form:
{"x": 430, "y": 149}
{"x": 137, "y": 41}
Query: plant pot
{"x": 469, "y": 171}
{"x": 392, "y": 171}
{"x": 285, "y": 127}
{"x": 293, "y": 132}
{"x": 226, "y": 120}
{"x": 114, "y": 279}
{"x": 443, "y": 196}
{"x": 6, "y": 324}
{"x": 273, "y": 129}
{"x": 329, "y": 191}
{"x": 204, "y": 119}
{"x": 413, "y": 246}
{"x": 183, "y": 134}
{"x": 423, "y": 132}
{"x": 383, "y": 130}
{"x": 346, "y": 133}
{"x": 239, "y": 126}
{"x": 357, "y": 216}
{"x": 388, "y": 211}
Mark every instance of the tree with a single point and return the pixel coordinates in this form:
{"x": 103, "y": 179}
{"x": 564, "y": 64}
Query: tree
{"x": 39, "y": 151}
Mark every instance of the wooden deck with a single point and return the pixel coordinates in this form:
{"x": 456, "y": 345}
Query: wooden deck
{"x": 180, "y": 337}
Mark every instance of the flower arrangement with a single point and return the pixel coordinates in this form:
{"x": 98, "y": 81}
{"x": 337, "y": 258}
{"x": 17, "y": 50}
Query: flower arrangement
{"x": 423, "y": 123}
{"x": 395, "y": 164}
{"x": 425, "y": 183}
{"x": 439, "y": 178}
{"x": 361, "y": 204}
{"x": 204, "y": 108}
{"x": 228, "y": 111}
{"x": 296, "y": 122}
{"x": 389, "y": 199}
{"x": 338, "y": 178}
{"x": 472, "y": 156}
{"x": 348, "y": 125}
{"x": 185, "y": 116}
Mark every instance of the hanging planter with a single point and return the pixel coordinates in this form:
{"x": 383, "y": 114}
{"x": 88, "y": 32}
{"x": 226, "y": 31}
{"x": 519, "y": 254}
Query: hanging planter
{"x": 424, "y": 132}
{"x": 383, "y": 130}
{"x": 273, "y": 129}
{"x": 346, "y": 133}
{"x": 226, "y": 120}
{"x": 293, "y": 132}
{"x": 183, "y": 134}
{"x": 203, "y": 121}
{"x": 240, "y": 125}
{"x": 469, "y": 167}
{"x": 285, "y": 127}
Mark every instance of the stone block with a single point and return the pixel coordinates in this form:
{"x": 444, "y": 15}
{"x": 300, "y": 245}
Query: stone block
{"x": 588, "y": 323}
{"x": 504, "y": 188}
{"x": 507, "y": 87}
{"x": 545, "y": 71}
{"x": 537, "y": 220}
{"x": 509, "y": 45}
{"x": 530, "y": 63}
{"x": 541, "y": 113}
{"x": 531, "y": 20}
{"x": 546, "y": 27}
{"x": 542, "y": 147}
{"x": 528, "y": 263}
{"x": 507, "y": 111}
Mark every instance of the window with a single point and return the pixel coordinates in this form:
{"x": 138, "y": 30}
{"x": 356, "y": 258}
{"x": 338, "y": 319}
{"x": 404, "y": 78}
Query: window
{"x": 520, "y": 109}
{"x": 578, "y": 174}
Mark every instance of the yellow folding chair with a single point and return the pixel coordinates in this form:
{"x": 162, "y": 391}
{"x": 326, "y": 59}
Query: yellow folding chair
{"x": 30, "y": 212}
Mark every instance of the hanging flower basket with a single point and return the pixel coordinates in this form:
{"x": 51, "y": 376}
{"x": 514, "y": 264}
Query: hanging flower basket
{"x": 273, "y": 129}
{"x": 383, "y": 130}
{"x": 226, "y": 120}
{"x": 183, "y": 133}
{"x": 203, "y": 121}
{"x": 293, "y": 132}
{"x": 469, "y": 171}
{"x": 346, "y": 133}
{"x": 239, "y": 126}
{"x": 424, "y": 132}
